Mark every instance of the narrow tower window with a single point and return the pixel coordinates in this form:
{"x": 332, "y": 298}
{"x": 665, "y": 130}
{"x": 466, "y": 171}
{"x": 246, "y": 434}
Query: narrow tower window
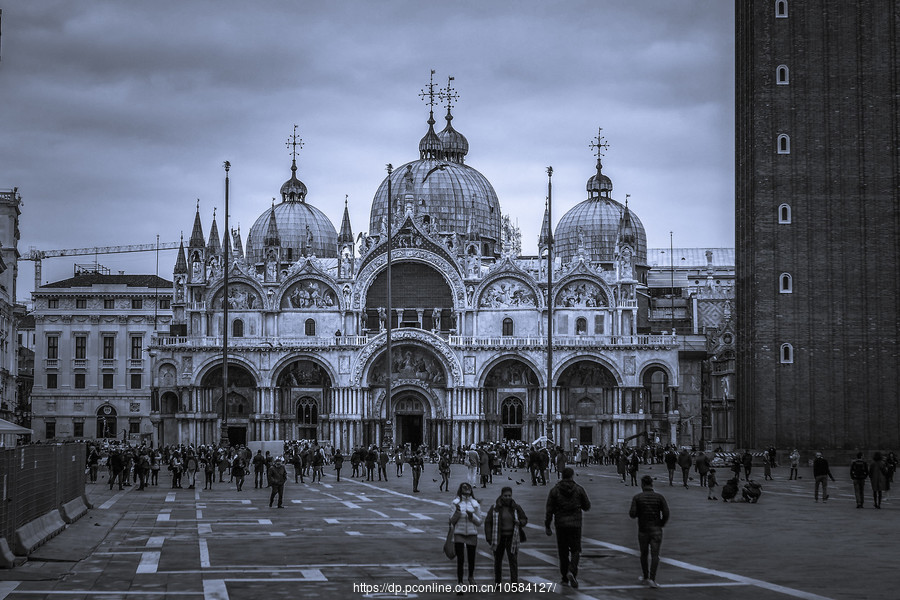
{"x": 782, "y": 75}
{"x": 781, "y": 9}
{"x": 787, "y": 354}
{"x": 784, "y": 144}
{"x": 310, "y": 327}
{"x": 237, "y": 328}
{"x": 507, "y": 327}
{"x": 784, "y": 214}
{"x": 786, "y": 284}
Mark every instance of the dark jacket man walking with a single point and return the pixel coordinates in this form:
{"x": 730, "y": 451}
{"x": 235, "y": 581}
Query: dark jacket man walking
{"x": 652, "y": 512}
{"x": 565, "y": 503}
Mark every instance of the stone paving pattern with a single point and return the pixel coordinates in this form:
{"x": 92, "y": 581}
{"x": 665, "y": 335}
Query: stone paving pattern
{"x": 226, "y": 545}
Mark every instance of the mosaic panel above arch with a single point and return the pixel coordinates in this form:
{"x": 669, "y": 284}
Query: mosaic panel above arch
{"x": 303, "y": 373}
{"x": 587, "y": 373}
{"x": 507, "y": 293}
{"x": 240, "y": 297}
{"x": 309, "y": 293}
{"x": 511, "y": 373}
{"x": 581, "y": 293}
{"x": 409, "y": 362}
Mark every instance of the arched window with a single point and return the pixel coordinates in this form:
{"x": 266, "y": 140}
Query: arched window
{"x": 782, "y": 75}
{"x": 787, "y": 354}
{"x": 784, "y": 214}
{"x": 784, "y": 144}
{"x": 598, "y": 324}
{"x": 511, "y": 412}
{"x": 310, "y": 327}
{"x": 507, "y": 327}
{"x": 307, "y": 411}
{"x": 237, "y": 328}
{"x": 781, "y": 9}
{"x": 580, "y": 326}
{"x": 785, "y": 283}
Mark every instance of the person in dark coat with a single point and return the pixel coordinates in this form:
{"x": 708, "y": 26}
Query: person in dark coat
{"x": 877, "y": 478}
{"x": 701, "y": 465}
{"x": 671, "y": 460}
{"x": 338, "y": 460}
{"x": 116, "y": 466}
{"x": 747, "y": 462}
{"x": 277, "y": 476}
{"x": 652, "y": 512}
{"x": 730, "y": 489}
{"x": 565, "y": 503}
{"x": 685, "y": 462}
{"x": 821, "y": 473}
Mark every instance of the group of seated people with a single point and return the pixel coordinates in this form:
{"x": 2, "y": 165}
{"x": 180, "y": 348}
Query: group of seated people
{"x": 750, "y": 492}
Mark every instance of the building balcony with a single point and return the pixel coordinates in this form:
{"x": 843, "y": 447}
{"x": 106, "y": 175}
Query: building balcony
{"x": 261, "y": 343}
{"x": 107, "y": 363}
{"x": 79, "y": 363}
{"x": 573, "y": 341}
{"x": 51, "y": 363}
{"x": 136, "y": 363}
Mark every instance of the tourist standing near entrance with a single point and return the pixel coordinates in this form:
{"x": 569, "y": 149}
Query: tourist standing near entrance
{"x": 878, "y": 478}
{"x": 652, "y": 512}
{"x": 503, "y": 530}
{"x": 277, "y": 476}
{"x": 383, "y": 459}
{"x": 472, "y": 464}
{"x": 566, "y": 502}
{"x": 338, "y": 463}
{"x": 259, "y": 466}
{"x": 371, "y": 461}
{"x": 238, "y": 471}
{"x": 444, "y": 470}
{"x": 795, "y": 463}
{"x": 465, "y": 518}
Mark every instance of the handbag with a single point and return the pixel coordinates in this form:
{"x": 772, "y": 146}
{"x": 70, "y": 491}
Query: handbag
{"x": 522, "y": 537}
{"x": 449, "y": 546}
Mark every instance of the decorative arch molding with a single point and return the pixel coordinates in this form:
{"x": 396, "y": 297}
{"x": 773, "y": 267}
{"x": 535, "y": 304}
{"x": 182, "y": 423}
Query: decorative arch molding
{"x": 507, "y": 269}
{"x": 658, "y": 364}
{"x": 446, "y": 268}
{"x": 582, "y": 274}
{"x": 419, "y": 337}
{"x": 219, "y": 287}
{"x": 434, "y": 407}
{"x": 499, "y": 358}
{"x": 216, "y": 361}
{"x": 285, "y": 361}
{"x": 591, "y": 357}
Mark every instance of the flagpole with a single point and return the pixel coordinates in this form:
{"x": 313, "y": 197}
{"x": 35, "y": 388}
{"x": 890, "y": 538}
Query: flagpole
{"x": 549, "y": 402}
{"x": 224, "y": 434}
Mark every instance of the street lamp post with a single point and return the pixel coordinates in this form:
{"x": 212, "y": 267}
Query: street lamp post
{"x": 223, "y": 438}
{"x": 549, "y": 402}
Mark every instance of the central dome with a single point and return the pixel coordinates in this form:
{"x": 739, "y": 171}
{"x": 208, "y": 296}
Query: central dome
{"x": 450, "y": 193}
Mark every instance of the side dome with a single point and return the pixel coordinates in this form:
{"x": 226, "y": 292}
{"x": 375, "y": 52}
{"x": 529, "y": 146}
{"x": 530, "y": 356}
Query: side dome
{"x": 448, "y": 192}
{"x": 596, "y": 221}
{"x": 301, "y": 229}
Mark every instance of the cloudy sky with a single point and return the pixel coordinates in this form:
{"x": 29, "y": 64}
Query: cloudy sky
{"x": 116, "y": 117}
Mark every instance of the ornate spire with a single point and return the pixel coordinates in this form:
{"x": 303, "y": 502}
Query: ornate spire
{"x": 272, "y": 237}
{"x": 626, "y": 227}
{"x": 196, "y": 240}
{"x": 180, "y": 261}
{"x": 544, "y": 237}
{"x": 346, "y": 234}
{"x": 430, "y": 146}
{"x": 214, "y": 246}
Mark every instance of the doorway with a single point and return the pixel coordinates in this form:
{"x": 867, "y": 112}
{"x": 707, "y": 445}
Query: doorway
{"x": 237, "y": 436}
{"x": 409, "y": 415}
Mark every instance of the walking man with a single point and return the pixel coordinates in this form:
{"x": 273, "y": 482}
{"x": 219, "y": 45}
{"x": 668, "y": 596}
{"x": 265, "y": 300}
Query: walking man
{"x": 821, "y": 472}
{"x": 416, "y": 463}
{"x": 277, "y": 476}
{"x": 565, "y": 503}
{"x": 859, "y": 471}
{"x": 259, "y": 466}
{"x": 652, "y": 512}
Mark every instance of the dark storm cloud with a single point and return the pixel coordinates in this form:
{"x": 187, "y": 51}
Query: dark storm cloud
{"x": 117, "y": 116}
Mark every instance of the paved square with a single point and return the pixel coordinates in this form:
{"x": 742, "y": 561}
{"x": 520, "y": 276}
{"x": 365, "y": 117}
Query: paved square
{"x": 334, "y": 538}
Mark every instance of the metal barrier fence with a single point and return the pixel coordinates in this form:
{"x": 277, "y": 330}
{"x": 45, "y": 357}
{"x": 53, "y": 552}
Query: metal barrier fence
{"x": 36, "y": 479}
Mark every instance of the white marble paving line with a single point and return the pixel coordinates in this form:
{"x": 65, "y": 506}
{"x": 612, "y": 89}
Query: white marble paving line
{"x": 109, "y": 503}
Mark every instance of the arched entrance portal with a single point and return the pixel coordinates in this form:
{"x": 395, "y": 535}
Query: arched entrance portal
{"x": 240, "y": 394}
{"x": 409, "y": 416}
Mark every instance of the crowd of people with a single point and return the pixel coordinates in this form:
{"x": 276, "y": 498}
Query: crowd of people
{"x": 502, "y": 522}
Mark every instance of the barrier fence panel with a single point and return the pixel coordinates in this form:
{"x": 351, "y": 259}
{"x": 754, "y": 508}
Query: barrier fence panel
{"x": 37, "y": 479}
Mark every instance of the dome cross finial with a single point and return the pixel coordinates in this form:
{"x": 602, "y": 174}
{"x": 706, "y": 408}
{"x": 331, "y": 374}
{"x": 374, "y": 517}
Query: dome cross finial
{"x": 449, "y": 95}
{"x": 293, "y": 142}
{"x": 430, "y": 93}
{"x": 599, "y": 144}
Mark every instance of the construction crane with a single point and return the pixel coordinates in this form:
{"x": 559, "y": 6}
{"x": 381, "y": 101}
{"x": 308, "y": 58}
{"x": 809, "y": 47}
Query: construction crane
{"x": 38, "y": 255}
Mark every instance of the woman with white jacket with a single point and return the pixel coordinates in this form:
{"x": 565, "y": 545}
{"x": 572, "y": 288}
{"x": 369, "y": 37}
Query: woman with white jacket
{"x": 466, "y": 518}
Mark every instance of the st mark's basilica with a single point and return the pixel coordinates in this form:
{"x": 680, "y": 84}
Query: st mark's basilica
{"x": 307, "y": 320}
